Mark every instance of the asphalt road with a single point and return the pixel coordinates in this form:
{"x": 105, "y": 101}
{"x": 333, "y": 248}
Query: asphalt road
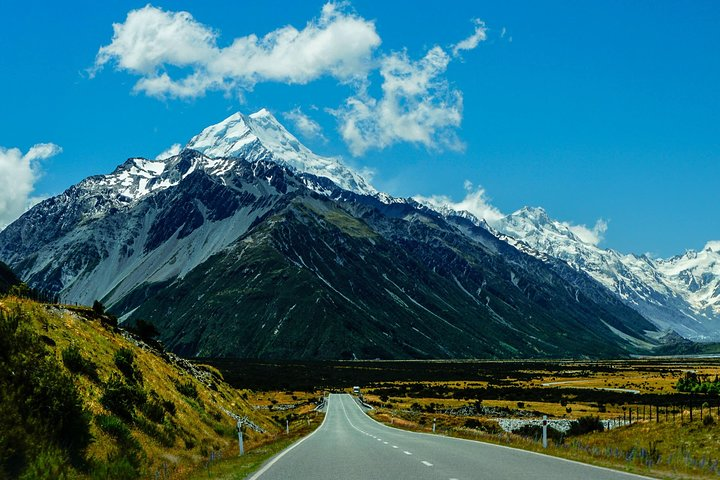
{"x": 351, "y": 445}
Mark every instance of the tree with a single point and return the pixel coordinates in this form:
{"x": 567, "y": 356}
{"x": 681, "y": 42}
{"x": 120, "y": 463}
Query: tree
{"x": 145, "y": 329}
{"x": 98, "y": 307}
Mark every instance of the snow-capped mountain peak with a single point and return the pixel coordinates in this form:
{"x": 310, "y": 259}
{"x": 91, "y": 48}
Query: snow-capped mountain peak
{"x": 535, "y": 223}
{"x": 681, "y": 293}
{"x": 255, "y": 137}
{"x": 260, "y": 136}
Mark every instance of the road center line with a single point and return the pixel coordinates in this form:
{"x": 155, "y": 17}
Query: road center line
{"x": 406, "y": 452}
{"x": 426, "y": 463}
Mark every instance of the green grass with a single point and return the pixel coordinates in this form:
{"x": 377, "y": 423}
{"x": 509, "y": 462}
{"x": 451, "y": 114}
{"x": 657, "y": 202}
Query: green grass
{"x": 142, "y": 420}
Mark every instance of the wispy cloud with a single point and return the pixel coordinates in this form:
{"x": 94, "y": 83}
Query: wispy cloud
{"x": 417, "y": 106}
{"x": 476, "y": 202}
{"x": 304, "y": 124}
{"x": 18, "y": 174}
{"x": 471, "y": 42}
{"x": 591, "y": 235}
{"x": 170, "y": 152}
{"x": 150, "y": 40}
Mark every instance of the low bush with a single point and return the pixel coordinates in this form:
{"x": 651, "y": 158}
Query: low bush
{"x": 169, "y": 407}
{"x": 585, "y": 425}
{"x": 50, "y": 464}
{"x": 535, "y": 432}
{"x": 154, "y": 408}
{"x": 488, "y": 426}
{"x": 77, "y": 363}
{"x": 187, "y": 389}
{"x": 117, "y": 467}
{"x": 122, "y": 398}
{"x": 115, "y": 427}
{"x": 125, "y": 362}
{"x": 40, "y": 408}
{"x": 165, "y": 436}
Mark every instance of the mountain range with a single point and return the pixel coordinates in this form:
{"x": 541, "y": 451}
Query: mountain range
{"x": 680, "y": 294}
{"x": 247, "y": 244}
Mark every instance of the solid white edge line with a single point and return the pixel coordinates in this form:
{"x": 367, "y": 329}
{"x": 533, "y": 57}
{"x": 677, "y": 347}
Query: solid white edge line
{"x": 288, "y": 449}
{"x": 631, "y": 475}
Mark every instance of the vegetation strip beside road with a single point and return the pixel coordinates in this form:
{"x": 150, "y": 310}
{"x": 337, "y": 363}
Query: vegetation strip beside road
{"x": 240, "y": 467}
{"x": 634, "y": 449}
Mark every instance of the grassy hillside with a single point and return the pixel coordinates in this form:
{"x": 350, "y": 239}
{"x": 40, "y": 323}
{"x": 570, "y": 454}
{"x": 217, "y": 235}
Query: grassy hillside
{"x": 81, "y": 398}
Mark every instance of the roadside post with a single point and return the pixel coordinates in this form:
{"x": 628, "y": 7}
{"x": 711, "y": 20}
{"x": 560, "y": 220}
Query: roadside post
{"x": 241, "y": 422}
{"x": 544, "y": 431}
{"x": 240, "y": 437}
{"x": 287, "y": 427}
{"x": 433, "y": 425}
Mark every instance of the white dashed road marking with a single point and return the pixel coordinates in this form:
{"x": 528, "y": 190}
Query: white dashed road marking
{"x": 426, "y": 463}
{"x": 406, "y": 452}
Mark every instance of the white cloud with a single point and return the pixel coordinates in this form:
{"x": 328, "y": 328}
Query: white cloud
{"x": 176, "y": 56}
{"x": 151, "y": 40}
{"x": 170, "y": 152}
{"x": 471, "y": 42}
{"x": 476, "y": 202}
{"x": 417, "y": 106}
{"x": 18, "y": 175}
{"x": 592, "y": 236}
{"x": 306, "y": 125}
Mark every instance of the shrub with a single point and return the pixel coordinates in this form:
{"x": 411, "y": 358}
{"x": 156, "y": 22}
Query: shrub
{"x": 122, "y": 398}
{"x": 110, "y": 322}
{"x": 116, "y": 428}
{"x": 488, "y": 426}
{"x": 40, "y": 409}
{"x": 51, "y": 464}
{"x": 124, "y": 464}
{"x": 165, "y": 437}
{"x": 98, "y": 307}
{"x": 187, "y": 389}
{"x": 708, "y": 420}
{"x": 154, "y": 409}
{"x": 125, "y": 362}
{"x": 585, "y": 425}
{"x": 76, "y": 363}
{"x": 169, "y": 407}
{"x": 472, "y": 423}
{"x": 535, "y": 431}
{"x": 120, "y": 466}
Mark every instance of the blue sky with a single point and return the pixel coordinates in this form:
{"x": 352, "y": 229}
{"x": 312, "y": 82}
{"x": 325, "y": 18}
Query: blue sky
{"x": 593, "y": 110}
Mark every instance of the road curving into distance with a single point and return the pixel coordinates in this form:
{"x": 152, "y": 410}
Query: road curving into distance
{"x": 351, "y": 445}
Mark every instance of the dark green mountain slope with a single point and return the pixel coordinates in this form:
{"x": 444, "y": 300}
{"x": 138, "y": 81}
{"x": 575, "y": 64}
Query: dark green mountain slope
{"x": 353, "y": 277}
{"x": 7, "y": 278}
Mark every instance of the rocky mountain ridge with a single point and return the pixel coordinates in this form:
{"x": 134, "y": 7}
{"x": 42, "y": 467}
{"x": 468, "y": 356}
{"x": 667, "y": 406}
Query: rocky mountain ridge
{"x": 248, "y": 244}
